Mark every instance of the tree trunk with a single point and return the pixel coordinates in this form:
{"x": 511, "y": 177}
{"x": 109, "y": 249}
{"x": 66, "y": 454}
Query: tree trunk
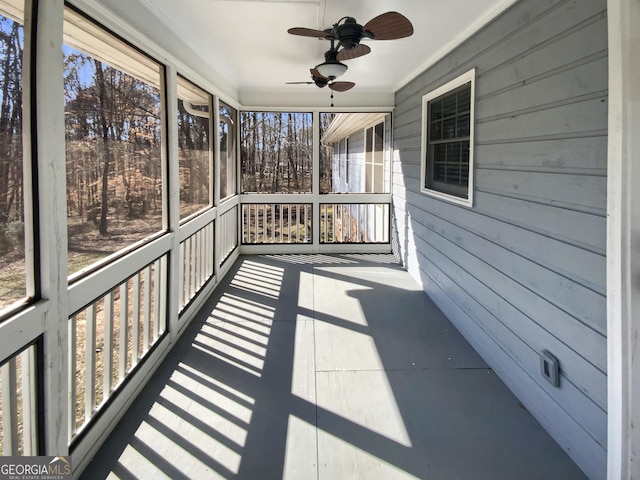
{"x": 104, "y": 207}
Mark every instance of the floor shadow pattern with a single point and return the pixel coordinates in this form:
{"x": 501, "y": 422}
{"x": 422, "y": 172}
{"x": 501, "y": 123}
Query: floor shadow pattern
{"x": 326, "y": 367}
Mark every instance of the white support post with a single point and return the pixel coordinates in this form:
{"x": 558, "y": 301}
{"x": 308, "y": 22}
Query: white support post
{"x": 214, "y": 108}
{"x": 50, "y": 158}
{"x": 315, "y": 209}
{"x": 173, "y": 201}
{"x": 623, "y": 238}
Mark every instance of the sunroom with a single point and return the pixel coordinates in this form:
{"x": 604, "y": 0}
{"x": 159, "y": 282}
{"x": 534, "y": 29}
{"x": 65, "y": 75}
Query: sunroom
{"x": 423, "y": 269}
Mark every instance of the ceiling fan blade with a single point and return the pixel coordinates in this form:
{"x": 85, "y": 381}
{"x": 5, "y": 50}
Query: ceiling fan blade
{"x": 299, "y": 83}
{"x": 307, "y": 32}
{"x": 316, "y": 74}
{"x": 341, "y": 86}
{"x": 389, "y": 26}
{"x": 348, "y": 54}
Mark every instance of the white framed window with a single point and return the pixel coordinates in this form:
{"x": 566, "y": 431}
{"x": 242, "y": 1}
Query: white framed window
{"x": 346, "y": 161}
{"x": 447, "y": 140}
{"x": 374, "y": 159}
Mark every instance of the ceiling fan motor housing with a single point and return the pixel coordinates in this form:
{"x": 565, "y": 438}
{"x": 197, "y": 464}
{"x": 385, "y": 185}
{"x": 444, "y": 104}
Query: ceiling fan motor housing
{"x": 349, "y": 33}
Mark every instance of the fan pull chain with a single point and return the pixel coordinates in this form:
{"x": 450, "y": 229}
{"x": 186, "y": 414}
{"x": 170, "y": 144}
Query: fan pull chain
{"x": 332, "y": 98}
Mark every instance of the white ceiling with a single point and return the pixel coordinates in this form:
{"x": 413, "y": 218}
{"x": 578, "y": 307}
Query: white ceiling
{"x": 247, "y": 43}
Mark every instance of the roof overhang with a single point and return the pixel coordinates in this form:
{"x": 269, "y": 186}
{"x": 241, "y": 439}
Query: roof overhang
{"x": 344, "y": 124}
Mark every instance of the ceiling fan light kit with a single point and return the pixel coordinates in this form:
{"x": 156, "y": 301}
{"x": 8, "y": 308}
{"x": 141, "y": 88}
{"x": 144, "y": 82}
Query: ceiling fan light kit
{"x": 331, "y": 70}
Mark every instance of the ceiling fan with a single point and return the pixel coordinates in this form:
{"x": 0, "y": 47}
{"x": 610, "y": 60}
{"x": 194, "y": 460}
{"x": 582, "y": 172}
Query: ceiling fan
{"x": 348, "y": 33}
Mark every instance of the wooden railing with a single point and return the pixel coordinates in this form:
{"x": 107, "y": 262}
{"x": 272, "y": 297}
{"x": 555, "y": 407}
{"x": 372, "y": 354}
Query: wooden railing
{"x": 18, "y": 404}
{"x": 110, "y": 336}
{"x": 276, "y": 223}
{"x": 196, "y": 263}
{"x": 228, "y": 233}
{"x": 354, "y": 223}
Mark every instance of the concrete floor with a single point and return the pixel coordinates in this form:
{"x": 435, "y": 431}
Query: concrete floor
{"x": 326, "y": 367}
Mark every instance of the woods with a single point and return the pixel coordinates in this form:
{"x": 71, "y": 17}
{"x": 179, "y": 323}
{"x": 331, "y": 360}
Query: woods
{"x": 276, "y": 152}
{"x": 113, "y": 155}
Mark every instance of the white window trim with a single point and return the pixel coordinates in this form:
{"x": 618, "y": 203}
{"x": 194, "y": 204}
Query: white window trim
{"x": 469, "y": 76}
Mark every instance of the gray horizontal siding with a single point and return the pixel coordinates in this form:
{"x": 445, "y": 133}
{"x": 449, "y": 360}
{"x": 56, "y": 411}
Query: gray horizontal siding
{"x": 524, "y": 269}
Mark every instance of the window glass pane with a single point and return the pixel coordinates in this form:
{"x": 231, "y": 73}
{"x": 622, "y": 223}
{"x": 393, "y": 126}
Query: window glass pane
{"x": 228, "y": 123}
{"x": 464, "y": 100}
{"x": 449, "y": 128}
{"x": 436, "y": 109}
{"x": 436, "y": 131}
{"x": 378, "y": 176}
{"x": 449, "y": 106}
{"x": 378, "y": 146}
{"x": 276, "y": 152}
{"x": 439, "y": 156}
{"x": 363, "y": 135}
{"x": 13, "y": 285}
{"x": 194, "y": 155}
{"x": 447, "y": 159}
{"x": 453, "y": 163}
{"x": 464, "y": 161}
{"x": 464, "y": 125}
{"x": 113, "y": 143}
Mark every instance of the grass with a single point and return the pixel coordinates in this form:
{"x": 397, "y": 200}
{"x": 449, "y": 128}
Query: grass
{"x": 13, "y": 285}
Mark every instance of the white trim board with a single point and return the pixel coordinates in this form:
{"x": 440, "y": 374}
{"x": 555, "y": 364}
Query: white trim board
{"x": 623, "y": 233}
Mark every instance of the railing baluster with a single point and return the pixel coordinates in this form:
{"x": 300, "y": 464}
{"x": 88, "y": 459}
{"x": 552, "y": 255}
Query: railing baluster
{"x": 124, "y": 330}
{"x": 249, "y": 214}
{"x": 209, "y": 248}
{"x": 192, "y": 270}
{"x": 135, "y": 323}
{"x": 325, "y": 214}
{"x": 71, "y": 342}
{"x": 272, "y": 224}
{"x": 162, "y": 295}
{"x": 107, "y": 348}
{"x": 157, "y": 293}
{"x": 9, "y": 408}
{"x": 29, "y": 396}
{"x": 264, "y": 223}
{"x": 281, "y": 223}
{"x": 182, "y": 276}
{"x": 203, "y": 255}
{"x": 306, "y": 223}
{"x": 245, "y": 227}
{"x": 336, "y": 224}
{"x": 366, "y": 222}
{"x": 188, "y": 271}
{"x": 289, "y": 208}
{"x": 298, "y": 222}
{"x": 198, "y": 238}
{"x": 253, "y": 219}
{"x": 147, "y": 309}
{"x": 90, "y": 362}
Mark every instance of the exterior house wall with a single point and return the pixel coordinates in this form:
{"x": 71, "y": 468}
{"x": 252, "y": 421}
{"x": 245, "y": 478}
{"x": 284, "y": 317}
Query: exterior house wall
{"x": 523, "y": 269}
{"x": 373, "y": 219}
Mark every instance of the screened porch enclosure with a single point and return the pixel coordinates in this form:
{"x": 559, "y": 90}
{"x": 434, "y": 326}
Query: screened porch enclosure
{"x": 203, "y": 279}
